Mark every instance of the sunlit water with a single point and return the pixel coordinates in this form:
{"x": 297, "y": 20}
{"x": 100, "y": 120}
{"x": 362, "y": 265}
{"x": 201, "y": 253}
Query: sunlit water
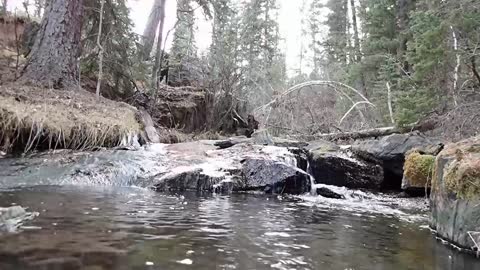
{"x": 131, "y": 228}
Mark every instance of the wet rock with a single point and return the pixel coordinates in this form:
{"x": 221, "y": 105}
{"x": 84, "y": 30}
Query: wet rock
{"x": 301, "y": 156}
{"x": 455, "y": 197}
{"x": 12, "y": 217}
{"x": 274, "y": 177}
{"x": 332, "y": 165}
{"x": 391, "y": 151}
{"x": 193, "y": 179}
{"x": 418, "y": 172}
{"x": 197, "y": 166}
{"x": 325, "y": 192}
{"x": 242, "y": 167}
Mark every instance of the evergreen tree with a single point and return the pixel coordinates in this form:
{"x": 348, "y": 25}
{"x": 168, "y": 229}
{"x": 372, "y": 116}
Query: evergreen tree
{"x": 183, "y": 57}
{"x": 122, "y": 68}
{"x": 53, "y": 61}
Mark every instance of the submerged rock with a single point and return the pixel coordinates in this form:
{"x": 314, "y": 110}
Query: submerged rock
{"x": 328, "y": 193}
{"x": 331, "y": 165}
{"x": 418, "y": 172}
{"x": 455, "y": 197}
{"x": 13, "y": 217}
{"x": 391, "y": 151}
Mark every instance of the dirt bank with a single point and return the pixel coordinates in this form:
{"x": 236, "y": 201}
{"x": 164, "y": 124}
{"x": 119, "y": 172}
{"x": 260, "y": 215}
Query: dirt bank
{"x": 37, "y": 118}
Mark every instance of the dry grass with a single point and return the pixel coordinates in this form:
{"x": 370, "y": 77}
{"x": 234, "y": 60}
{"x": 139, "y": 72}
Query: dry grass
{"x": 33, "y": 118}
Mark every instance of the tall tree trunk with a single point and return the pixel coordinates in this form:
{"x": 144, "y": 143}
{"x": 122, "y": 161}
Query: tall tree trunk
{"x": 403, "y": 11}
{"x": 159, "y": 48}
{"x": 345, "y": 25}
{"x": 358, "y": 52}
{"x": 54, "y": 57}
{"x": 100, "y": 49}
{"x": 156, "y": 18}
{"x": 4, "y": 7}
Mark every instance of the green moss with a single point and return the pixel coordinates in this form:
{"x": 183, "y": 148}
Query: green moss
{"x": 463, "y": 178}
{"x": 418, "y": 169}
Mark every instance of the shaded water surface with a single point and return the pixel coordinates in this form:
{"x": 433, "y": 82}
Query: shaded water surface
{"x": 131, "y": 228}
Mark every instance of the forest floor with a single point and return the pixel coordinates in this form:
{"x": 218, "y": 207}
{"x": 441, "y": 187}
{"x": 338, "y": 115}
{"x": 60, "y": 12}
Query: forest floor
{"x": 33, "y": 117}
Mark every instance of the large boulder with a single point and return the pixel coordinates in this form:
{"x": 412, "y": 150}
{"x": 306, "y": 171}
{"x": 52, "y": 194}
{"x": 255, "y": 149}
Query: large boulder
{"x": 333, "y": 165}
{"x": 391, "y": 151}
{"x": 418, "y": 171}
{"x": 455, "y": 197}
{"x": 274, "y": 176}
{"x": 241, "y": 167}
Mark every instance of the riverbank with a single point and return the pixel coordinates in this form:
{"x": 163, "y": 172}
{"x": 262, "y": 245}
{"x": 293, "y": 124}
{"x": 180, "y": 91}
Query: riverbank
{"x": 37, "y": 118}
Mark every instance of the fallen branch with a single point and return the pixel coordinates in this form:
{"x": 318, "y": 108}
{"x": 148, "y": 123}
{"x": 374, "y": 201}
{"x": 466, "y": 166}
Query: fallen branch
{"x": 353, "y": 107}
{"x": 372, "y": 133}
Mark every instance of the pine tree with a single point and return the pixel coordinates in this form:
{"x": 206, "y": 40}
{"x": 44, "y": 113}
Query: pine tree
{"x": 53, "y": 61}
{"x": 122, "y": 66}
{"x": 183, "y": 58}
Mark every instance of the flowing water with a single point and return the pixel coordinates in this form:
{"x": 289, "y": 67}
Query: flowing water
{"x": 133, "y": 228}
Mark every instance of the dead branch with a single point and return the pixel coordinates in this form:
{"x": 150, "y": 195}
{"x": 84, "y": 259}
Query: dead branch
{"x": 375, "y": 132}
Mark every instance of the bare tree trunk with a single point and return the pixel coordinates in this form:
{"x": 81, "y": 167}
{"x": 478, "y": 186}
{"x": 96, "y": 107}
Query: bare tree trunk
{"x": 358, "y": 52}
{"x": 158, "y": 51}
{"x": 156, "y": 18}
{"x": 457, "y": 66}
{"x": 4, "y": 7}
{"x": 54, "y": 57}
{"x": 100, "y": 47}
{"x": 404, "y": 7}
{"x": 389, "y": 101}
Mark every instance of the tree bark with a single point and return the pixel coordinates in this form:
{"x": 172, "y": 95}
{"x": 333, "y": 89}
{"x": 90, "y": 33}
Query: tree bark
{"x": 100, "y": 48}
{"x": 156, "y": 18}
{"x": 158, "y": 51}
{"x": 53, "y": 61}
{"x": 4, "y": 7}
{"x": 404, "y": 7}
{"x": 358, "y": 52}
{"x": 376, "y": 132}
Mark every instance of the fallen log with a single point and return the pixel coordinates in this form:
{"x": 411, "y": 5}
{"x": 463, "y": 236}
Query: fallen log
{"x": 377, "y": 132}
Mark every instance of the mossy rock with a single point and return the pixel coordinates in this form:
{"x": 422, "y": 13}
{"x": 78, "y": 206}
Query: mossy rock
{"x": 461, "y": 173}
{"x": 418, "y": 170}
{"x": 463, "y": 177}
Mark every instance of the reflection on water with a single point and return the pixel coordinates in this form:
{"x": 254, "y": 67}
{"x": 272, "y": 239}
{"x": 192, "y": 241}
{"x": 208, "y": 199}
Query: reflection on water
{"x": 132, "y": 228}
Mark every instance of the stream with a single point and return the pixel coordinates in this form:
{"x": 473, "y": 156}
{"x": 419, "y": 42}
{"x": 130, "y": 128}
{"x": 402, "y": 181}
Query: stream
{"x": 96, "y": 211}
{"x": 93, "y": 227}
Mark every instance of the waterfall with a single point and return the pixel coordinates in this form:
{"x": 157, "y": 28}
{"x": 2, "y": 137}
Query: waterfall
{"x": 313, "y": 189}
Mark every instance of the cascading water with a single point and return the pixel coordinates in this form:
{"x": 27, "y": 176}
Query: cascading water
{"x": 359, "y": 201}
{"x": 313, "y": 191}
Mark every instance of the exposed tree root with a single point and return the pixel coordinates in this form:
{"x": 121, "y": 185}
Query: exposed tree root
{"x": 33, "y": 118}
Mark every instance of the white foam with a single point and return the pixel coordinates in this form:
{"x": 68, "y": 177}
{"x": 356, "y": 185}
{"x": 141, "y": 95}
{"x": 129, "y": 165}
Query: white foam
{"x": 185, "y": 261}
{"x": 278, "y": 234}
